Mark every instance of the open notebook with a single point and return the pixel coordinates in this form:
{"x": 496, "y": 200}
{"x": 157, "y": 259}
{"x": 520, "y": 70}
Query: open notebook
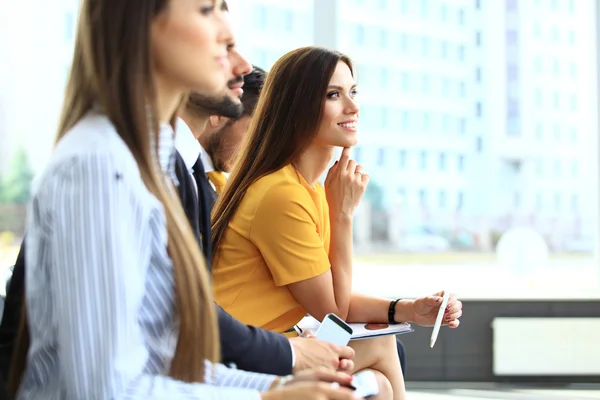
{"x": 360, "y": 330}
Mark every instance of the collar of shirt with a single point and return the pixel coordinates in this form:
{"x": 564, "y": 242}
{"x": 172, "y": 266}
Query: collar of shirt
{"x": 188, "y": 147}
{"x": 206, "y": 160}
{"x": 166, "y": 151}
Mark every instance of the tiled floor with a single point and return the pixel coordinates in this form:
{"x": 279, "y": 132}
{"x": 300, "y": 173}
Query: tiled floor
{"x": 500, "y": 392}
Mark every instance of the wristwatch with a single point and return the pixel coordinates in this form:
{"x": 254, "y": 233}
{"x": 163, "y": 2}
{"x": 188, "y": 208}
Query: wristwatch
{"x": 392, "y": 311}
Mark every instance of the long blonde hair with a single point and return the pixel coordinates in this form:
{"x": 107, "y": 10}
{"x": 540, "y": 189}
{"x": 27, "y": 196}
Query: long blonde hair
{"x": 112, "y": 69}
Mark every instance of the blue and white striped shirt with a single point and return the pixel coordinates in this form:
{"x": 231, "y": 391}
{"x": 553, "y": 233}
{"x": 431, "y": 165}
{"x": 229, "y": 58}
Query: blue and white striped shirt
{"x": 99, "y": 281}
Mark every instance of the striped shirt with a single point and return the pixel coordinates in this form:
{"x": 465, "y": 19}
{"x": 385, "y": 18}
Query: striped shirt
{"x": 99, "y": 282}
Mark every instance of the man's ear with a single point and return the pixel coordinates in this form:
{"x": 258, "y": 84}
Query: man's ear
{"x": 216, "y": 121}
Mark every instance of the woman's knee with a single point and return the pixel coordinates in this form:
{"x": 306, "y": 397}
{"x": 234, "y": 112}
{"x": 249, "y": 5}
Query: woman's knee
{"x": 385, "y": 347}
{"x": 385, "y": 387}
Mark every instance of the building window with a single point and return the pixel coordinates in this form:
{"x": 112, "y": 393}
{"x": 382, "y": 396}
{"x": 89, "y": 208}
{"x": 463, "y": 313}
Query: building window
{"x": 573, "y": 102}
{"x": 443, "y": 12}
{"x": 573, "y": 135}
{"x": 462, "y": 89}
{"x": 478, "y": 75}
{"x": 517, "y": 200}
{"x": 426, "y": 122}
{"x": 556, "y": 100}
{"x": 478, "y": 39}
{"x": 462, "y": 125}
{"x": 383, "y": 39}
{"x": 539, "y": 131}
{"x": 572, "y": 38}
{"x": 557, "y": 169}
{"x": 512, "y": 37}
{"x": 442, "y": 162}
{"x": 381, "y": 157}
{"x": 385, "y": 120}
{"x": 402, "y": 159}
{"x": 572, "y": 6}
{"x": 557, "y": 201}
{"x": 460, "y": 200}
{"x": 422, "y": 197}
{"x": 478, "y": 4}
{"x": 538, "y": 65}
{"x": 446, "y": 87}
{"x": 425, "y": 46}
{"x": 537, "y": 30}
{"x": 575, "y": 203}
{"x": 538, "y": 201}
{"x": 556, "y": 67}
{"x": 461, "y": 163}
{"x": 69, "y": 21}
{"x": 574, "y": 169}
{"x": 539, "y": 168}
{"x": 461, "y": 53}
{"x": 359, "y": 35}
{"x": 573, "y": 70}
{"x": 384, "y": 78}
{"x": 260, "y": 17}
{"x": 479, "y": 144}
{"x": 424, "y": 8}
{"x": 539, "y": 101}
{"x": 556, "y": 130}
{"x": 444, "y": 50}
{"x": 383, "y": 4}
{"x": 554, "y": 34}
{"x": 423, "y": 161}
{"x": 511, "y": 5}
{"x": 442, "y": 199}
{"x": 405, "y": 120}
{"x": 461, "y": 16}
{"x": 357, "y": 153}
{"x": 289, "y": 21}
{"x": 478, "y": 109}
{"x": 425, "y": 84}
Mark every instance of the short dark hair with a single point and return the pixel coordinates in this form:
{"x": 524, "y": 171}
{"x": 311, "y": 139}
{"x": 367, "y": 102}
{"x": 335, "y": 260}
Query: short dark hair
{"x": 253, "y": 83}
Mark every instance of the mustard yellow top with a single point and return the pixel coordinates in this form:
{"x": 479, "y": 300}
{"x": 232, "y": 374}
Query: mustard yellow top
{"x": 278, "y": 236}
{"x": 218, "y": 179}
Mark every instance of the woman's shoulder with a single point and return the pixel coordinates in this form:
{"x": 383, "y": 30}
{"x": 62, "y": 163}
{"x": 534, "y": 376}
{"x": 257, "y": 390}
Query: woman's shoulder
{"x": 91, "y": 148}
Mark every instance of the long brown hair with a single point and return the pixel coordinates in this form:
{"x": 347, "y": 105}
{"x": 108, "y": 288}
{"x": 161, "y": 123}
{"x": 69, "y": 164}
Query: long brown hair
{"x": 112, "y": 69}
{"x": 284, "y": 124}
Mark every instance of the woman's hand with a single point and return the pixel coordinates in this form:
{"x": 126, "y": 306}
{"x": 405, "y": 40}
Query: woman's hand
{"x": 425, "y": 310}
{"x": 345, "y": 185}
{"x": 310, "y": 391}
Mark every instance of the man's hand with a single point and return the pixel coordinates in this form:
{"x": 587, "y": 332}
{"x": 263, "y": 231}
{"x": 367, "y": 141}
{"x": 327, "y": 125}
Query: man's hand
{"x": 312, "y": 353}
{"x": 425, "y": 310}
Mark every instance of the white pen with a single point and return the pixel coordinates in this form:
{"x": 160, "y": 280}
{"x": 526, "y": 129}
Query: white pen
{"x": 440, "y": 317}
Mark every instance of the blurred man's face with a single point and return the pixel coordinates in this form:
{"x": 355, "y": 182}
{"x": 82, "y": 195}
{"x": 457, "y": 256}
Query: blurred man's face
{"x": 225, "y": 144}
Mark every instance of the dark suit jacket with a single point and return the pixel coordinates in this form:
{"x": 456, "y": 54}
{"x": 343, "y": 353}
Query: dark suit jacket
{"x": 250, "y": 348}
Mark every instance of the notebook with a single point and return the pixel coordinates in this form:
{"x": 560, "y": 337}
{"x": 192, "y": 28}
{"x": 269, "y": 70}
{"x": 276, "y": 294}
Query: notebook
{"x": 362, "y": 330}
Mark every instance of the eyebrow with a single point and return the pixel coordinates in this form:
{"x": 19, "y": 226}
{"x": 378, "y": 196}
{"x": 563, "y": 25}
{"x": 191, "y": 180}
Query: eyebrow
{"x": 336, "y": 87}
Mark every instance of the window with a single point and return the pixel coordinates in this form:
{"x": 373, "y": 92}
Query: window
{"x": 383, "y": 38}
{"x": 538, "y": 202}
{"x": 556, "y": 130}
{"x": 461, "y": 16}
{"x": 478, "y": 75}
{"x": 426, "y": 122}
{"x": 422, "y": 197}
{"x": 573, "y": 70}
{"x": 289, "y": 21}
{"x": 537, "y": 30}
{"x": 260, "y": 17}
{"x": 442, "y": 199}
{"x": 573, "y": 102}
{"x": 460, "y": 165}
{"x": 384, "y": 79}
{"x": 425, "y": 84}
{"x": 574, "y": 203}
{"x": 554, "y": 34}
{"x": 517, "y": 200}
{"x": 425, "y": 46}
{"x": 443, "y": 50}
{"x": 478, "y": 39}
{"x": 511, "y": 5}
{"x": 512, "y": 37}
{"x": 383, "y": 5}
{"x": 539, "y": 101}
{"x": 405, "y": 81}
{"x": 402, "y": 159}
{"x": 479, "y": 144}
{"x": 539, "y": 131}
{"x": 574, "y": 169}
{"x": 442, "y": 163}
{"x": 539, "y": 168}
{"x": 424, "y": 8}
{"x": 443, "y": 12}
{"x": 573, "y": 135}
{"x": 557, "y": 201}
{"x": 460, "y": 200}
{"x": 359, "y": 35}
{"x": 557, "y": 168}
{"x": 556, "y": 100}
{"x": 572, "y": 6}
{"x": 423, "y": 159}
{"x": 572, "y": 38}
{"x": 478, "y": 4}
{"x": 462, "y": 89}
{"x": 357, "y": 153}
{"x": 381, "y": 157}
{"x": 69, "y": 26}
{"x": 478, "y": 109}
{"x": 461, "y": 53}
{"x": 462, "y": 125}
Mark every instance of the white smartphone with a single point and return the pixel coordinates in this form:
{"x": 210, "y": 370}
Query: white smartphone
{"x": 334, "y": 330}
{"x": 365, "y": 385}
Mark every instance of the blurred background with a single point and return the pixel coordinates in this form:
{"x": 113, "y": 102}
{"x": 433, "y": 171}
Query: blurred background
{"x": 479, "y": 128}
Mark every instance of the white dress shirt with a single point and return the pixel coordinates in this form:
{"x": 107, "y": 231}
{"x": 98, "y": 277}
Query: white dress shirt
{"x": 100, "y": 291}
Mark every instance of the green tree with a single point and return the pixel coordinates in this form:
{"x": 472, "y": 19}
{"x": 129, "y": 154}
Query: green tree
{"x": 15, "y": 187}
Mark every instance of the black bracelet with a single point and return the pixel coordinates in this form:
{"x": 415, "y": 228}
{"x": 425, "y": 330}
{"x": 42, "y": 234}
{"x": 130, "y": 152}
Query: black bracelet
{"x": 392, "y": 311}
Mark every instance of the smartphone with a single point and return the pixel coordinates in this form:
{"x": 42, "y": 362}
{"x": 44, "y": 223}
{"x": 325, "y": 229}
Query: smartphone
{"x": 334, "y": 330}
{"x": 364, "y": 384}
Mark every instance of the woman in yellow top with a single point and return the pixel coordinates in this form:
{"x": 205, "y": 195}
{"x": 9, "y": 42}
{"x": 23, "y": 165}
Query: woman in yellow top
{"x": 283, "y": 242}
